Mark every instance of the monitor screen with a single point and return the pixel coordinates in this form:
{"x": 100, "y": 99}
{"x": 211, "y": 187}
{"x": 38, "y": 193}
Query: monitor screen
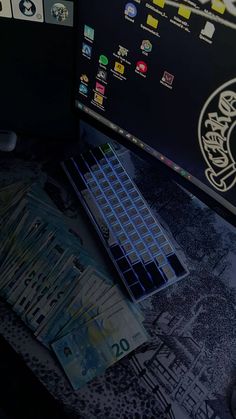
{"x": 162, "y": 75}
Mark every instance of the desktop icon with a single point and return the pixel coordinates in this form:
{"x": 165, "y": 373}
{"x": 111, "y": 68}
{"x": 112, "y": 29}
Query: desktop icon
{"x": 184, "y": 11}
{"x": 100, "y": 88}
{"x": 98, "y": 98}
{"x": 218, "y": 6}
{"x": 103, "y": 60}
{"x": 28, "y": 10}
{"x": 119, "y": 68}
{"x": 87, "y": 50}
{"x": 160, "y": 3}
{"x": 5, "y": 8}
{"x": 208, "y": 30}
{"x": 146, "y": 45}
{"x": 122, "y": 52}
{"x": 152, "y": 21}
{"x": 59, "y": 12}
{"x": 83, "y": 89}
{"x": 141, "y": 66}
{"x": 102, "y": 74}
{"x": 130, "y": 10}
{"x": 168, "y": 78}
{"x": 89, "y": 32}
{"x": 84, "y": 78}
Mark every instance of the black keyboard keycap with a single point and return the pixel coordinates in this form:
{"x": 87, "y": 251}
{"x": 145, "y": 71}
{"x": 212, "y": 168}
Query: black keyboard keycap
{"x": 176, "y": 265}
{"x": 123, "y": 264}
{"x": 89, "y": 158}
{"x": 155, "y": 274}
{"x": 144, "y": 277}
{"x": 116, "y": 251}
{"x": 80, "y": 163}
{"x": 98, "y": 154}
{"x": 167, "y": 272}
{"x": 75, "y": 175}
{"x": 131, "y": 277}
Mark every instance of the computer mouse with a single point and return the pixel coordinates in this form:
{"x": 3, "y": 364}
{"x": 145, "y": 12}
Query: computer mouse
{"x": 8, "y": 140}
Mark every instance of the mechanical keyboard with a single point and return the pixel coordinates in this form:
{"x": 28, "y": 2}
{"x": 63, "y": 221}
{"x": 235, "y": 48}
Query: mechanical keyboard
{"x": 135, "y": 241}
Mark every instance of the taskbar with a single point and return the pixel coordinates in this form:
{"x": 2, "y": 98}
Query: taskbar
{"x": 136, "y": 141}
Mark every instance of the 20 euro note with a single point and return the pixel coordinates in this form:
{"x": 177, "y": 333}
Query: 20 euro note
{"x": 57, "y": 280}
{"x": 93, "y": 289}
{"x": 10, "y": 230}
{"x": 56, "y": 298}
{"x": 106, "y": 301}
{"x": 53, "y": 321}
{"x": 10, "y": 197}
{"x": 46, "y": 287}
{"x": 18, "y": 265}
{"x": 34, "y": 277}
{"x": 88, "y": 351}
{"x": 87, "y": 286}
{"x": 26, "y": 228}
{"x": 65, "y": 281}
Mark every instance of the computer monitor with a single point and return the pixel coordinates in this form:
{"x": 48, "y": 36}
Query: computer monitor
{"x": 161, "y": 75}
{"x": 37, "y": 69}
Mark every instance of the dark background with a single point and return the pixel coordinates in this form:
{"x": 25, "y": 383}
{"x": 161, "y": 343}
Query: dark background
{"x": 37, "y": 76}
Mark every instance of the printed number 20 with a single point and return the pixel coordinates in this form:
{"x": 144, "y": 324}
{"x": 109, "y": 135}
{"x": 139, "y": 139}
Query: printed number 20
{"x": 121, "y": 347}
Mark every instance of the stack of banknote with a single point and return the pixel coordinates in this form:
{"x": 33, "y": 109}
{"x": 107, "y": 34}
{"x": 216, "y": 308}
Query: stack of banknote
{"x": 65, "y": 297}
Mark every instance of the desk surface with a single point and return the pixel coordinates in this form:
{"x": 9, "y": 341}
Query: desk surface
{"x": 188, "y": 367}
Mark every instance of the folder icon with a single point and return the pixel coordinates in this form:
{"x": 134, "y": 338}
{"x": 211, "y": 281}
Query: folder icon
{"x": 120, "y": 68}
{"x": 160, "y": 3}
{"x": 184, "y": 11}
{"x": 152, "y": 21}
{"x": 218, "y": 6}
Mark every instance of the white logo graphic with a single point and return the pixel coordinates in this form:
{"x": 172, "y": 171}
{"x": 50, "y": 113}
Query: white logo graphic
{"x": 215, "y": 131}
